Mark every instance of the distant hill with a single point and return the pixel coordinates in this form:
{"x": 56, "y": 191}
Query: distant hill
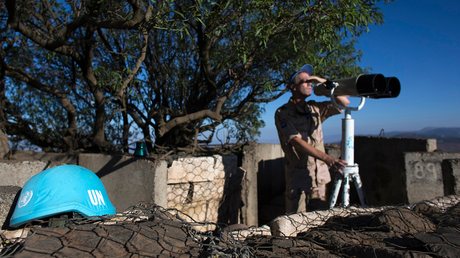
{"x": 447, "y": 138}
{"x": 440, "y": 131}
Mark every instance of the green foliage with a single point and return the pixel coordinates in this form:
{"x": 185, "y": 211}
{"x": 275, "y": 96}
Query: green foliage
{"x": 100, "y": 72}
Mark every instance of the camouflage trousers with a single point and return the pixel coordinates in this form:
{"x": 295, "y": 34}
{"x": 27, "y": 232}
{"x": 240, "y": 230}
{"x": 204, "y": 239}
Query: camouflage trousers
{"x": 298, "y": 200}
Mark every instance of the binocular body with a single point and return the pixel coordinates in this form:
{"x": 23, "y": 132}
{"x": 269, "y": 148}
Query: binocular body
{"x": 365, "y": 85}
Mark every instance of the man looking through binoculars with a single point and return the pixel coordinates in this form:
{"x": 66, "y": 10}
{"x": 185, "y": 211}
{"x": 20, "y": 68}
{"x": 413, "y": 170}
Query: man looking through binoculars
{"x": 299, "y": 129}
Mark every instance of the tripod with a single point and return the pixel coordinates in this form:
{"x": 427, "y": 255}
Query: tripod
{"x": 351, "y": 171}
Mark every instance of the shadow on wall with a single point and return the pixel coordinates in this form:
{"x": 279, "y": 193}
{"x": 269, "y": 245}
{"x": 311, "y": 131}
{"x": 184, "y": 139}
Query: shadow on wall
{"x": 115, "y": 163}
{"x": 271, "y": 182}
{"x": 230, "y": 208}
{"x": 271, "y": 186}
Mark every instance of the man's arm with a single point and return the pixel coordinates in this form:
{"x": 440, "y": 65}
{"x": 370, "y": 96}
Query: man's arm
{"x": 341, "y": 100}
{"x": 304, "y": 147}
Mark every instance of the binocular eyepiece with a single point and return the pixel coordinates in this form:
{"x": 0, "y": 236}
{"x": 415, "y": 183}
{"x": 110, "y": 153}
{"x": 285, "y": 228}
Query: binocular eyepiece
{"x": 374, "y": 86}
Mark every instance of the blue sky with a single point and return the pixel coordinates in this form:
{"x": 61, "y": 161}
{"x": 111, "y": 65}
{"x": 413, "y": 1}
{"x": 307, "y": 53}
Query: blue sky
{"x": 419, "y": 43}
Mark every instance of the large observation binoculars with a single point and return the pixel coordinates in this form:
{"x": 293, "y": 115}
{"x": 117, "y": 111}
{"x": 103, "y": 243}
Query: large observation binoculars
{"x": 374, "y": 86}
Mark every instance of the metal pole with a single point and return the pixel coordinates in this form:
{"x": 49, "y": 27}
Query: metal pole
{"x": 348, "y": 137}
{"x": 350, "y": 172}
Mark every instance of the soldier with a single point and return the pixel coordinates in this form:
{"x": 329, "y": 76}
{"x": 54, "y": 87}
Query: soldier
{"x": 299, "y": 129}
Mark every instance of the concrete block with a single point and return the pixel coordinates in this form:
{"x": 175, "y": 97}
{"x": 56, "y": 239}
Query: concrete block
{"x": 56, "y": 157}
{"x": 201, "y": 212}
{"x": 450, "y": 155}
{"x": 244, "y": 233}
{"x": 22, "y": 155}
{"x": 271, "y": 182}
{"x": 250, "y": 167}
{"x": 382, "y": 167}
{"x": 160, "y": 181}
{"x": 195, "y": 192}
{"x": 263, "y": 164}
{"x": 206, "y": 191}
{"x": 444, "y": 203}
{"x": 451, "y": 176}
{"x": 212, "y": 215}
{"x": 7, "y": 197}
{"x": 177, "y": 194}
{"x": 17, "y": 173}
{"x": 199, "y": 169}
{"x": 195, "y": 212}
{"x": 423, "y": 176}
{"x": 61, "y": 158}
{"x": 128, "y": 179}
{"x": 398, "y": 145}
{"x": 291, "y": 225}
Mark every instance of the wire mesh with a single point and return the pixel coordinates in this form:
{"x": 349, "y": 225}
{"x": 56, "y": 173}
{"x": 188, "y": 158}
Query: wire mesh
{"x": 142, "y": 231}
{"x": 206, "y": 188}
{"x": 425, "y": 229}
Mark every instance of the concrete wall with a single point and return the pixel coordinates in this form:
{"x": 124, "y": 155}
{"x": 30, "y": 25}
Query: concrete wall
{"x": 8, "y": 196}
{"x": 423, "y": 176}
{"x": 400, "y": 170}
{"x": 451, "y": 176}
{"x": 129, "y": 179}
{"x": 264, "y": 164}
{"x": 205, "y": 188}
{"x": 17, "y": 173}
{"x": 393, "y": 171}
{"x": 208, "y": 189}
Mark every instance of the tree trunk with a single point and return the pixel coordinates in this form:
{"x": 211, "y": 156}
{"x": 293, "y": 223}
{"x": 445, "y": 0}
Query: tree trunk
{"x": 99, "y": 123}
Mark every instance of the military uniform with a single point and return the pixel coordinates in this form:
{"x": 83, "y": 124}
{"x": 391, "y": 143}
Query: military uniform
{"x": 306, "y": 177}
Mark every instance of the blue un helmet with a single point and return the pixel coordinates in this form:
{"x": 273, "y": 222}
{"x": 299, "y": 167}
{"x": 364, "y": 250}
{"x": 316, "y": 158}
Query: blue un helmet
{"x": 62, "y": 189}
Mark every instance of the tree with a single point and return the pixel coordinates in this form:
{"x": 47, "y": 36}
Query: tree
{"x": 171, "y": 71}
{"x": 59, "y": 50}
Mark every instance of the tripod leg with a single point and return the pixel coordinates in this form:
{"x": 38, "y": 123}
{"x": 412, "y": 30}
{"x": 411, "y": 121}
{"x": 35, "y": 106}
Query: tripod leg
{"x": 346, "y": 191}
{"x": 359, "y": 189}
{"x": 335, "y": 191}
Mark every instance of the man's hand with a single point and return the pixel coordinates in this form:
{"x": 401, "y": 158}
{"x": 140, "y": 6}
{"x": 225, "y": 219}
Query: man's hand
{"x": 316, "y": 79}
{"x": 303, "y": 146}
{"x": 336, "y": 164}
